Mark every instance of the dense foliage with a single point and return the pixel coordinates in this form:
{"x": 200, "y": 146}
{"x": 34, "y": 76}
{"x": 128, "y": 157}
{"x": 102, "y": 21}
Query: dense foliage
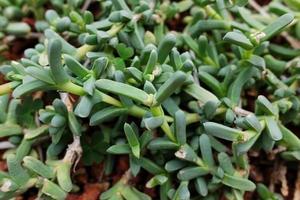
{"x": 186, "y": 90}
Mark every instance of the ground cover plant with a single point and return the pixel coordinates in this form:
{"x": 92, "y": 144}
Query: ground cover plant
{"x": 128, "y": 99}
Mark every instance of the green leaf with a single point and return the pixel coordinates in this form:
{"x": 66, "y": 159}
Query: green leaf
{"x": 135, "y": 73}
{"x": 165, "y": 47}
{"x": 124, "y": 52}
{"x": 225, "y": 163}
{"x": 212, "y": 83}
{"x": 206, "y": 150}
{"x": 36, "y": 132}
{"x": 244, "y": 147}
{"x": 132, "y": 140}
{"x": 239, "y": 39}
{"x": 238, "y": 183}
{"x": 273, "y": 129}
{"x": 145, "y": 138}
{"x": 66, "y": 47}
{"x": 17, "y": 28}
{"x": 174, "y": 165}
{"x": 16, "y": 171}
{"x": 201, "y": 186}
{"x": 257, "y": 62}
{"x": 10, "y": 130}
{"x": 189, "y": 173}
{"x": 29, "y": 87}
{"x": 156, "y": 180}
{"x": 52, "y": 190}
{"x": 63, "y": 171}
{"x": 84, "y": 106}
{"x": 119, "y": 149}
{"x": 187, "y": 153}
{"x": 236, "y": 87}
{"x": 180, "y": 127}
{"x": 192, "y": 44}
{"x": 292, "y": 3}
{"x": 289, "y": 139}
{"x": 223, "y": 132}
{"x": 40, "y": 74}
{"x": 75, "y": 67}
{"x": 187, "y": 66}
{"x": 264, "y": 192}
{"x": 23, "y": 149}
{"x": 264, "y": 105}
{"x": 168, "y": 88}
{"x": 151, "y": 62}
{"x": 240, "y": 2}
{"x": 162, "y": 144}
{"x": 124, "y": 89}
{"x": 277, "y": 26}
{"x": 120, "y": 16}
{"x": 60, "y": 107}
{"x": 130, "y": 193}
{"x": 74, "y": 124}
{"x": 106, "y": 114}
{"x": 151, "y": 166}
{"x": 290, "y": 155}
{"x": 175, "y": 59}
{"x": 58, "y": 121}
{"x": 99, "y": 66}
{"x": 252, "y": 122}
{"x": 182, "y": 192}
{"x": 249, "y": 19}
{"x": 59, "y": 75}
{"x": 201, "y": 94}
{"x": 113, "y": 191}
{"x": 135, "y": 166}
{"x": 152, "y": 122}
{"x": 38, "y": 167}
{"x": 207, "y": 25}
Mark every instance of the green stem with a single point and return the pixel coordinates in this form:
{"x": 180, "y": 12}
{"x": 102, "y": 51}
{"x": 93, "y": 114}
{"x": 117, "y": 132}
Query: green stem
{"x": 157, "y": 111}
{"x": 81, "y": 51}
{"x": 110, "y": 100}
{"x": 134, "y": 110}
{"x": 137, "y": 111}
{"x": 71, "y": 88}
{"x": 115, "y": 29}
{"x": 209, "y": 61}
{"x": 212, "y": 13}
{"x": 8, "y": 87}
{"x": 192, "y": 118}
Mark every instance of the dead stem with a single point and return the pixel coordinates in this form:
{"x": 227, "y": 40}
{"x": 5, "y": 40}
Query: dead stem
{"x": 126, "y": 177}
{"x": 240, "y": 111}
{"x": 86, "y": 5}
{"x": 74, "y": 150}
{"x": 297, "y": 186}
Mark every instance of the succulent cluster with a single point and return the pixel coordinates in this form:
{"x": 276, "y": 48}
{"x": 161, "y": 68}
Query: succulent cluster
{"x": 184, "y": 89}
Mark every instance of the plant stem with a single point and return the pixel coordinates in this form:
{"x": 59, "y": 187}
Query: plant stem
{"x": 7, "y": 87}
{"x": 134, "y": 110}
{"x": 110, "y": 100}
{"x": 157, "y": 111}
{"x": 212, "y": 13}
{"x": 192, "y": 118}
{"x": 81, "y": 51}
{"x": 72, "y": 88}
{"x": 115, "y": 29}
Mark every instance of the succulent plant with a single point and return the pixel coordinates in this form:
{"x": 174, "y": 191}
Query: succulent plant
{"x": 185, "y": 103}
